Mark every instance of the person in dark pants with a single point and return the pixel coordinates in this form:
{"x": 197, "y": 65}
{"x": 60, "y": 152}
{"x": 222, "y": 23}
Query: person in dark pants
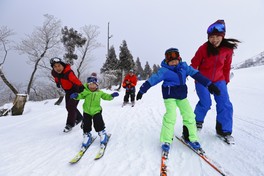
{"x": 93, "y": 111}
{"x": 65, "y": 78}
{"x": 129, "y": 83}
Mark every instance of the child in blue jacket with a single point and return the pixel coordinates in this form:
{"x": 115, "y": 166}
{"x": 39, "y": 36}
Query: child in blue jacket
{"x": 173, "y": 73}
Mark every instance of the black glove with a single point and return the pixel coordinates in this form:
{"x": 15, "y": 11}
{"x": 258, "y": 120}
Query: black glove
{"x": 81, "y": 88}
{"x": 139, "y": 96}
{"x": 58, "y": 85}
{"x": 213, "y": 89}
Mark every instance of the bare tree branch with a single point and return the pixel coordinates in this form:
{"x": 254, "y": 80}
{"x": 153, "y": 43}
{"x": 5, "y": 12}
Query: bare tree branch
{"x": 91, "y": 33}
{"x": 41, "y": 44}
{"x": 5, "y": 33}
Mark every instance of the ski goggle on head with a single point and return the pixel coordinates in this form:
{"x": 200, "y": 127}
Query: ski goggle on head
{"x": 92, "y": 80}
{"x": 216, "y": 27}
{"x": 172, "y": 55}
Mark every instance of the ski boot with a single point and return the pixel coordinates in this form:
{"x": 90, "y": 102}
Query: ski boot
{"x": 227, "y": 138}
{"x": 165, "y": 147}
{"x": 199, "y": 126}
{"x": 124, "y": 103}
{"x": 195, "y": 145}
{"x": 67, "y": 128}
{"x": 103, "y": 137}
{"x": 87, "y": 139}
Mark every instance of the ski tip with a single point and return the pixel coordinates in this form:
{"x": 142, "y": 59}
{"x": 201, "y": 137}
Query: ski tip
{"x": 97, "y": 158}
{"x": 72, "y": 162}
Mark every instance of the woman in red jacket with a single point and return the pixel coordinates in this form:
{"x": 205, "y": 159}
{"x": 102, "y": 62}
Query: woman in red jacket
{"x": 213, "y": 59}
{"x": 66, "y": 79}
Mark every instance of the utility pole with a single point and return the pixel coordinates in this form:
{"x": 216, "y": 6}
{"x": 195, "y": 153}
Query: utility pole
{"x": 108, "y": 37}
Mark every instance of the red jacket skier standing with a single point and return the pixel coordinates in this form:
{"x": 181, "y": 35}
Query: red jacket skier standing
{"x": 129, "y": 83}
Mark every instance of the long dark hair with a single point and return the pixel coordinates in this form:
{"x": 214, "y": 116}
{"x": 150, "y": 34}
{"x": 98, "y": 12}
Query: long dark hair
{"x": 229, "y": 43}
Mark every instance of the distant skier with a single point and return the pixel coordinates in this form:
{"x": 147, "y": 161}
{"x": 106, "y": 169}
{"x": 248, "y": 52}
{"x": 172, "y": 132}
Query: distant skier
{"x": 92, "y": 110}
{"x": 173, "y": 73}
{"x": 213, "y": 59}
{"x": 129, "y": 83}
{"x": 66, "y": 79}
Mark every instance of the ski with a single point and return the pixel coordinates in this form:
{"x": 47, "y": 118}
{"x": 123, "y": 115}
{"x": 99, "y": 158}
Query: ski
{"x": 202, "y": 155}
{"x": 81, "y": 153}
{"x": 101, "y": 152}
{"x": 163, "y": 166}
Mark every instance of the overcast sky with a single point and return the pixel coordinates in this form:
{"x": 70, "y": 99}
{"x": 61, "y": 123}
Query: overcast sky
{"x": 149, "y": 26}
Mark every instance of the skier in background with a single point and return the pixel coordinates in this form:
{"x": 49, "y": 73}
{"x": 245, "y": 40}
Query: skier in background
{"x": 213, "y": 60}
{"x": 129, "y": 83}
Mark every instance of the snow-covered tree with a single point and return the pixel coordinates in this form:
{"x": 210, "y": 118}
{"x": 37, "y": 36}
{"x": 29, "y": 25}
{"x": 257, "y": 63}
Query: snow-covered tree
{"x": 110, "y": 69}
{"x": 155, "y": 69}
{"x": 126, "y": 61}
{"x": 71, "y": 39}
{"x": 111, "y": 63}
{"x": 125, "y": 58}
{"x": 147, "y": 71}
{"x": 138, "y": 68}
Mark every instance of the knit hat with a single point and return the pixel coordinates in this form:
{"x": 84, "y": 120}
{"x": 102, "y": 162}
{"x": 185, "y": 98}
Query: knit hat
{"x": 55, "y": 60}
{"x": 92, "y": 79}
{"x": 172, "y": 54}
{"x": 94, "y": 74}
{"x": 217, "y": 28}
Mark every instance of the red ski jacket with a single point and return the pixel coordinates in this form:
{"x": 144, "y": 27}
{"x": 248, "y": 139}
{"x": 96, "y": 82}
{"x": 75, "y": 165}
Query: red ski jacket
{"x": 67, "y": 79}
{"x": 132, "y": 79}
{"x": 216, "y": 68}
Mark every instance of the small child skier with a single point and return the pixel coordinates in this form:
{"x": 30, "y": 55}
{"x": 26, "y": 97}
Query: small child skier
{"x": 173, "y": 73}
{"x": 93, "y": 111}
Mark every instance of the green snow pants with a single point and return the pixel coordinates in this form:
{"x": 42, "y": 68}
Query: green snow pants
{"x": 169, "y": 119}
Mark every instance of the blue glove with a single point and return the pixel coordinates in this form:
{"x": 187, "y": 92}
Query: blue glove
{"x": 74, "y": 95}
{"x": 115, "y": 94}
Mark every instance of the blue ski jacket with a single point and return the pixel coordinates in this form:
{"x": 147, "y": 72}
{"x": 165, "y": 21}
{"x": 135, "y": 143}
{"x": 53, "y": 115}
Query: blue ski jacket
{"x": 174, "y": 80}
